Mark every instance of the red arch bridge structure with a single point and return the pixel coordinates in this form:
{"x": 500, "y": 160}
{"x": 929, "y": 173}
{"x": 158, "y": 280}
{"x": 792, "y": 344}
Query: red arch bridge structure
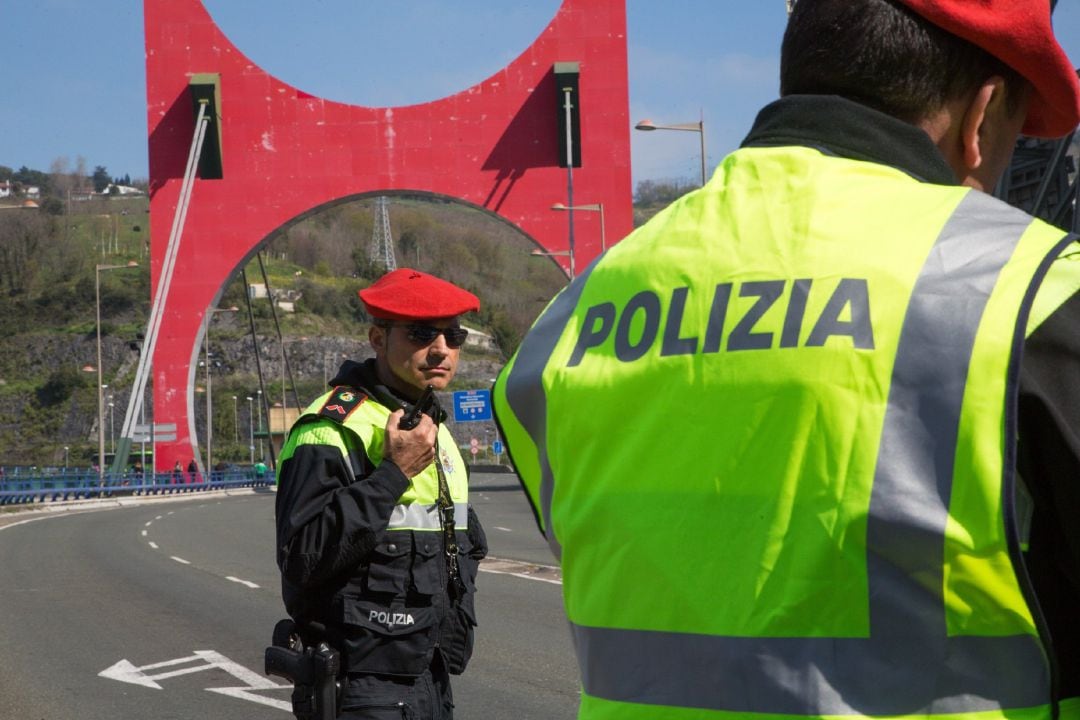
{"x": 237, "y": 155}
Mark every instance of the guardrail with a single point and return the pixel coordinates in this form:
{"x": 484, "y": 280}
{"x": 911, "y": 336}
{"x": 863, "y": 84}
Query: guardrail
{"x": 28, "y": 489}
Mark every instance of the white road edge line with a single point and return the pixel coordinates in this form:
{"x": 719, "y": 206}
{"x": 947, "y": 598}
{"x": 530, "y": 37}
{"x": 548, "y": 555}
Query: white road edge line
{"x": 523, "y": 576}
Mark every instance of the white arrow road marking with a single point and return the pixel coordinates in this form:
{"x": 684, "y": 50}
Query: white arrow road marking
{"x": 125, "y": 671}
{"x": 244, "y": 693}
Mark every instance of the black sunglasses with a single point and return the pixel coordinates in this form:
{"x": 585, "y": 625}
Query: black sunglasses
{"x": 426, "y": 334}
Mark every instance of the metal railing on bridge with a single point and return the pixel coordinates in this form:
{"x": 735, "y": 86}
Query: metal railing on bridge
{"x": 29, "y": 488}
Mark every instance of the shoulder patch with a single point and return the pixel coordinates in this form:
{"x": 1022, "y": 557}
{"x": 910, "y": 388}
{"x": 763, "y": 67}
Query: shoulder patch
{"x": 341, "y": 403}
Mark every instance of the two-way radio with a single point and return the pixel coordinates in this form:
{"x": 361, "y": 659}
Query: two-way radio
{"x": 412, "y": 418}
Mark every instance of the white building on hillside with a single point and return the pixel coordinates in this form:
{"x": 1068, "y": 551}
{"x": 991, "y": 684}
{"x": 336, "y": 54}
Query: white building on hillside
{"x": 480, "y": 340}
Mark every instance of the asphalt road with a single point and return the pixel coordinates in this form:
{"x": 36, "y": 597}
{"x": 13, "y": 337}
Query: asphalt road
{"x": 163, "y": 609}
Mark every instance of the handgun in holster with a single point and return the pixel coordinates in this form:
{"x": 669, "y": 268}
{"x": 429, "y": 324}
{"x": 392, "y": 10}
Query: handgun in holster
{"x": 312, "y": 669}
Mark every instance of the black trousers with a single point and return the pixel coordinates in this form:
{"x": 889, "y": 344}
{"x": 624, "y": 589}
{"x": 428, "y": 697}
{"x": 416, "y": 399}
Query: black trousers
{"x": 385, "y": 697}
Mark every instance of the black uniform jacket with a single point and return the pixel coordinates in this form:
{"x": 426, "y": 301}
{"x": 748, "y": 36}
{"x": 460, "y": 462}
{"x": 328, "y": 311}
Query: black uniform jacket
{"x": 1049, "y": 403}
{"x": 384, "y": 597}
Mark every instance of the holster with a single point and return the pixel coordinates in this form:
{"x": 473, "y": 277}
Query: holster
{"x": 312, "y": 669}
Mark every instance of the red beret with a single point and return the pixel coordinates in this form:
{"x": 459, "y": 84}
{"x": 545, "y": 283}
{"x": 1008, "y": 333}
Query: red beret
{"x": 405, "y": 294}
{"x": 1018, "y": 33}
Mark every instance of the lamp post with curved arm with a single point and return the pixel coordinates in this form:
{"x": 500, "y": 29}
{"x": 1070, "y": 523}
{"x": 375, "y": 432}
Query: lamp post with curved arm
{"x": 557, "y": 253}
{"x": 698, "y": 127}
{"x": 594, "y": 207}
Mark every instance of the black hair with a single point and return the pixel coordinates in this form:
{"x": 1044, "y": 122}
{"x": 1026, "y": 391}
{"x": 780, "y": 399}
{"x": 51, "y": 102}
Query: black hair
{"x": 880, "y": 54}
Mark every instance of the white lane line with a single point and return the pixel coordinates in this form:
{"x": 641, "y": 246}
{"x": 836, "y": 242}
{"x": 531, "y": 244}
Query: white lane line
{"x": 158, "y": 517}
{"x": 503, "y": 529}
{"x": 523, "y": 570}
{"x": 248, "y": 583}
{"x": 153, "y": 545}
{"x": 143, "y": 533}
{"x": 170, "y": 512}
{"x": 149, "y": 523}
{"x": 180, "y": 560}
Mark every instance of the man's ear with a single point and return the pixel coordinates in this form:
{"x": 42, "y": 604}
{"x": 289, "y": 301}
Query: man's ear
{"x": 377, "y": 337}
{"x": 981, "y": 122}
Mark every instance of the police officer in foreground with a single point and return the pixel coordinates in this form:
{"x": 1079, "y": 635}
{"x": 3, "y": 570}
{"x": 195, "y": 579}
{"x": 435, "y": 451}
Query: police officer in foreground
{"x": 850, "y": 482}
{"x": 377, "y": 544}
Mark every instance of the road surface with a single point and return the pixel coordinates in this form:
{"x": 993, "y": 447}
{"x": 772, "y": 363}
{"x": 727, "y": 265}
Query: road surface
{"x": 163, "y": 609}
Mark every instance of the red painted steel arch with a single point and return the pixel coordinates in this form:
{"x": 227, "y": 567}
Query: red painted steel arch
{"x": 284, "y": 152}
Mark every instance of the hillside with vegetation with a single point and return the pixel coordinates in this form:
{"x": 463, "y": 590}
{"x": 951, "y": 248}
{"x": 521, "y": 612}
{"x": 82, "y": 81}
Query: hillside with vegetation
{"x": 50, "y": 246}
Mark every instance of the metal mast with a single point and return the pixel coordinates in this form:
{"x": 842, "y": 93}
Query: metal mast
{"x": 382, "y": 243}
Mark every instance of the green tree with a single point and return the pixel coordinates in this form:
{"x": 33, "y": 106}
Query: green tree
{"x": 59, "y": 387}
{"x": 26, "y": 177}
{"x": 100, "y": 178}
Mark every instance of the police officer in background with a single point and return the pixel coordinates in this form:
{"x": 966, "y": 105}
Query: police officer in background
{"x": 850, "y": 480}
{"x": 376, "y": 541}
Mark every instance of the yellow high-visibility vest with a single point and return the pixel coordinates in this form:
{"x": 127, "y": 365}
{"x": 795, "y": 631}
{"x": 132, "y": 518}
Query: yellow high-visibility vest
{"x": 770, "y": 437}
{"x": 416, "y": 509}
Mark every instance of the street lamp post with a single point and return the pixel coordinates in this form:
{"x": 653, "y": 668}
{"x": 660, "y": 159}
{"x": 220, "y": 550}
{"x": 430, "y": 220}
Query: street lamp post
{"x": 209, "y": 400}
{"x": 235, "y": 423}
{"x": 66, "y": 448}
{"x": 112, "y": 426}
{"x": 258, "y": 411}
{"x": 698, "y": 127}
{"x": 100, "y": 387}
{"x": 251, "y": 431}
{"x": 557, "y": 253}
{"x": 594, "y": 207}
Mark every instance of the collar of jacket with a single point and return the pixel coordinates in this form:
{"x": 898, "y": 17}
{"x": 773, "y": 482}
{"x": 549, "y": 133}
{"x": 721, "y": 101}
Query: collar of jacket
{"x": 840, "y": 127}
{"x": 362, "y": 376}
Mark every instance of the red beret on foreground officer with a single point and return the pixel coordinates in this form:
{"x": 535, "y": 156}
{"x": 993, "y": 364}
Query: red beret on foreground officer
{"x": 851, "y": 482}
{"x": 408, "y": 295}
{"x": 377, "y": 544}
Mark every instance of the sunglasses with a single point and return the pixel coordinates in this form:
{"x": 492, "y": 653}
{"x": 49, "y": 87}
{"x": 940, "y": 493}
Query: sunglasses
{"x": 426, "y": 334}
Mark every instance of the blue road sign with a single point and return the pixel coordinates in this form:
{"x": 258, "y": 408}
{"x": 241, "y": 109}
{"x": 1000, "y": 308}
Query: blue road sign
{"x": 496, "y": 447}
{"x": 472, "y": 405}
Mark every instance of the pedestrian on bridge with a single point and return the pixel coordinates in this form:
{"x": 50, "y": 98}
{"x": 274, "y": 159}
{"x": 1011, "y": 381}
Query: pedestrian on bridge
{"x": 376, "y": 540}
{"x": 807, "y": 443}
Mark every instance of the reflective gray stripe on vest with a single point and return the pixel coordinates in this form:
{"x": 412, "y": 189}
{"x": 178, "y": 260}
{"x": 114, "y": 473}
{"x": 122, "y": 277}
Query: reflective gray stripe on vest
{"x": 525, "y": 388}
{"x": 908, "y": 664}
{"x": 419, "y": 516}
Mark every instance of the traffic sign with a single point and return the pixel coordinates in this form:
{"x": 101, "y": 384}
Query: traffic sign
{"x": 496, "y": 447}
{"x": 163, "y": 432}
{"x": 472, "y": 405}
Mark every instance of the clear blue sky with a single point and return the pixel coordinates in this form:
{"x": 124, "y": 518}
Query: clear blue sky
{"x": 74, "y": 77}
